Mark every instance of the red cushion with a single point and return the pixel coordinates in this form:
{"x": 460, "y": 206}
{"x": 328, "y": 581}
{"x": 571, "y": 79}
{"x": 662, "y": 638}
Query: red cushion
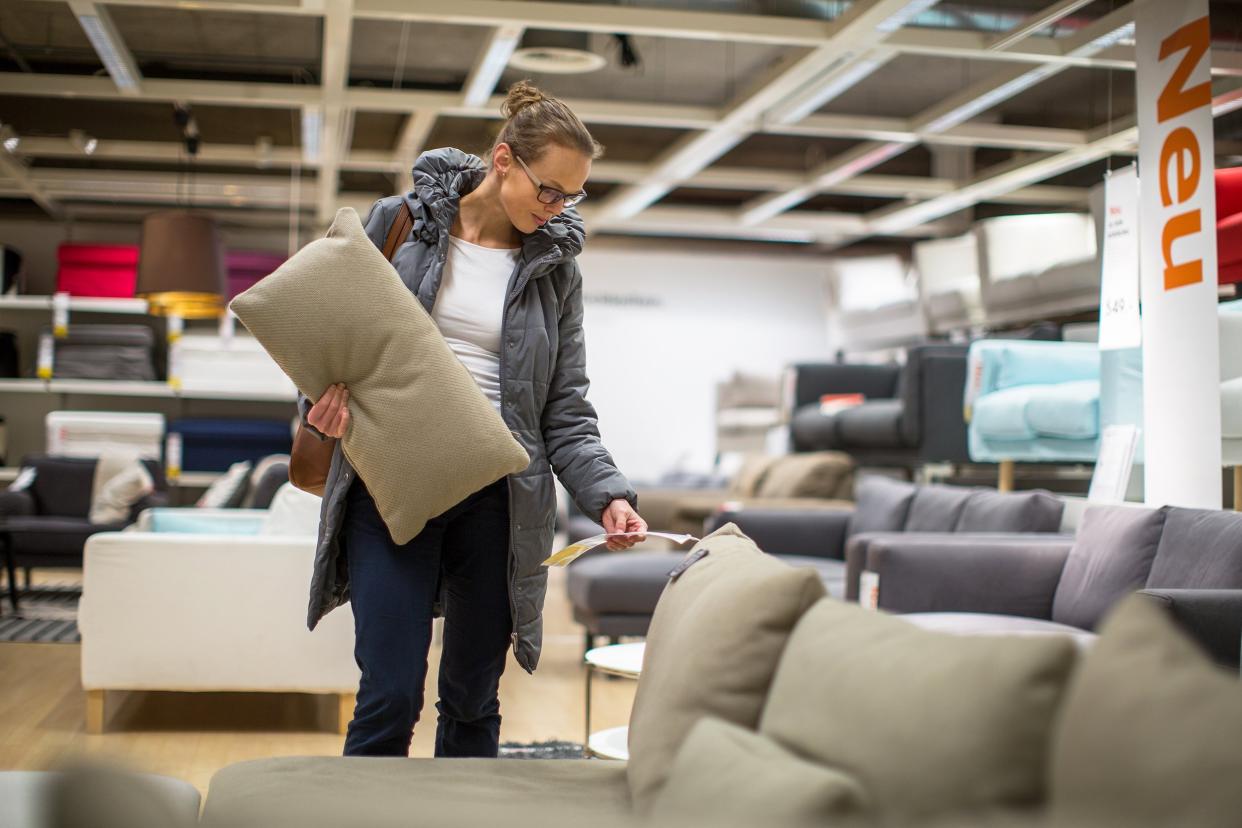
{"x": 1228, "y": 192}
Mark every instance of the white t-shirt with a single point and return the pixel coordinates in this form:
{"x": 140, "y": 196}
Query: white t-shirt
{"x": 470, "y": 305}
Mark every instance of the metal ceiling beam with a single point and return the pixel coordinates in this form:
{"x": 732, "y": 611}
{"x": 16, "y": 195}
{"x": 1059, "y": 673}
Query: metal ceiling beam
{"x": 678, "y": 24}
{"x": 11, "y": 166}
{"x": 411, "y": 142}
{"x": 1041, "y": 19}
{"x": 338, "y": 121}
{"x": 867, "y": 23}
{"x": 718, "y": 178}
{"x": 111, "y": 49}
{"x": 591, "y": 111}
{"x": 490, "y": 64}
{"x": 1017, "y": 174}
{"x": 946, "y": 115}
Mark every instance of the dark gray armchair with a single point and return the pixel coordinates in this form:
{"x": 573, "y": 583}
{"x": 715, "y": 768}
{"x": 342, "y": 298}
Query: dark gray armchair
{"x": 912, "y": 415}
{"x": 47, "y": 524}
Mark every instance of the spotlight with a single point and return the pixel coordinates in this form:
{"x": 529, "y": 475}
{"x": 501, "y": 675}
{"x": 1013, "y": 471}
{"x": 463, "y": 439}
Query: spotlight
{"x": 83, "y": 142}
{"x": 9, "y": 138}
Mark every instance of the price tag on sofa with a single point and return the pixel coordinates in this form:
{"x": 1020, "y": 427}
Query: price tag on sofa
{"x": 869, "y": 589}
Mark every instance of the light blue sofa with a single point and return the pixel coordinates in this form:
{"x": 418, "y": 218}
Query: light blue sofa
{"x": 1033, "y": 402}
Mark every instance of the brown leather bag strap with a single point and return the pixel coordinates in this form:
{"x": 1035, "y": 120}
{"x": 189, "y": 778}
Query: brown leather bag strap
{"x": 400, "y": 229}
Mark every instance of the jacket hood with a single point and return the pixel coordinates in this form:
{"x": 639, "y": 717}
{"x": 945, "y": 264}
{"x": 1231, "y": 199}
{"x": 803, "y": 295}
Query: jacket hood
{"x": 443, "y": 176}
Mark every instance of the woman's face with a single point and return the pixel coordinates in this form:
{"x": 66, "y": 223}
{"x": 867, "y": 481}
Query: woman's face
{"x": 559, "y": 168}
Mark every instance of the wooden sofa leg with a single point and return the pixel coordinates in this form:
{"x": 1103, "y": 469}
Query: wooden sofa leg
{"x": 94, "y": 711}
{"x": 345, "y": 711}
{"x": 1237, "y": 488}
{"x": 1005, "y": 483}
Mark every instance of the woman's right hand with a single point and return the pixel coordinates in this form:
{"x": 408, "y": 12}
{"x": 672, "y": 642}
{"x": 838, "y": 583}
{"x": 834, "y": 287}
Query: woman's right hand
{"x": 331, "y": 414}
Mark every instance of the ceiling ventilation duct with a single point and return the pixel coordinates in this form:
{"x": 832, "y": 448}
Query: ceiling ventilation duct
{"x": 556, "y": 52}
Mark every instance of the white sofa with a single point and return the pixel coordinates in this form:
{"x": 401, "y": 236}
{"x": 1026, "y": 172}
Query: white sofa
{"x": 210, "y": 612}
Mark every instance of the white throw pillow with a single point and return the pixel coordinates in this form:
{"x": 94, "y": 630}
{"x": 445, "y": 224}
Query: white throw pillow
{"x": 293, "y": 512}
{"x": 220, "y": 493}
{"x": 113, "y": 501}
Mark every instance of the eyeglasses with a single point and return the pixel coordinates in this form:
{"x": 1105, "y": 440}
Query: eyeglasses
{"x": 551, "y": 195}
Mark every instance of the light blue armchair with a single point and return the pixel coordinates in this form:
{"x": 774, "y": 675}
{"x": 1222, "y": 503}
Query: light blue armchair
{"x": 1033, "y": 402}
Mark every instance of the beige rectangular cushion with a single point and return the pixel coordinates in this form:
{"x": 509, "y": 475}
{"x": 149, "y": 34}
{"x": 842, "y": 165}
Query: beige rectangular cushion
{"x": 714, "y": 641}
{"x": 423, "y": 435}
{"x": 725, "y": 775}
{"x": 1151, "y": 730}
{"x": 929, "y": 723}
{"x": 826, "y": 474}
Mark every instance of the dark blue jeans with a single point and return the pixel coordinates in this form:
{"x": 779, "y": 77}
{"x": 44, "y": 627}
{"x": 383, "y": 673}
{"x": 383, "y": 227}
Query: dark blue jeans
{"x": 392, "y": 590}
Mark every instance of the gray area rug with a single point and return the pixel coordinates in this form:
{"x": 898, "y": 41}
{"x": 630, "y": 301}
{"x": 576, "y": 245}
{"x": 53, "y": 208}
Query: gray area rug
{"x": 541, "y": 750}
{"x": 48, "y": 615}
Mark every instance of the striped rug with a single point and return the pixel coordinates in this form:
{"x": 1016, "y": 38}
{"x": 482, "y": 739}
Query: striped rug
{"x": 48, "y": 615}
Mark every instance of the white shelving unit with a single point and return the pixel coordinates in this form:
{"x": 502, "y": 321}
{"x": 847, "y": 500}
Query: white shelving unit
{"x": 22, "y": 306}
{"x": 123, "y": 388}
{"x": 192, "y": 479}
{"x": 76, "y": 304}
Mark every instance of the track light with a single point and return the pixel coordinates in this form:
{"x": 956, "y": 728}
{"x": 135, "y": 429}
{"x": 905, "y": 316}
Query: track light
{"x": 10, "y": 139}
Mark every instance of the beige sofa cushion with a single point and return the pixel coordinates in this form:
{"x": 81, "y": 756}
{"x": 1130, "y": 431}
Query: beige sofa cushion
{"x": 930, "y": 723}
{"x": 335, "y": 792}
{"x": 1151, "y": 731}
{"x": 725, "y": 774}
{"x": 826, "y": 474}
{"x": 749, "y": 477}
{"x": 714, "y": 641}
{"x": 424, "y": 436}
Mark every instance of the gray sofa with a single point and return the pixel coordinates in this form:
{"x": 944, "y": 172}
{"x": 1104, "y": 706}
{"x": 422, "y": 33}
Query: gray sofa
{"x": 614, "y": 594}
{"x": 764, "y": 702}
{"x": 1189, "y": 559}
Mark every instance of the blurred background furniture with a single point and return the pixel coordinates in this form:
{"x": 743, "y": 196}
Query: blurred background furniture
{"x": 748, "y": 406}
{"x": 1067, "y": 585}
{"x": 910, "y": 416}
{"x": 216, "y": 610}
{"x": 47, "y": 523}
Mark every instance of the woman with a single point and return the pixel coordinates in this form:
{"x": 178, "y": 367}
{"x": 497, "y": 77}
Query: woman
{"x": 491, "y": 258}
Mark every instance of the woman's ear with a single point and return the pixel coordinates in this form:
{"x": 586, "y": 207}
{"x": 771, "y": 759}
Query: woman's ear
{"x": 502, "y": 158}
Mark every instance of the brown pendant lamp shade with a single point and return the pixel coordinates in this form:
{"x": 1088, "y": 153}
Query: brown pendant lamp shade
{"x": 181, "y": 265}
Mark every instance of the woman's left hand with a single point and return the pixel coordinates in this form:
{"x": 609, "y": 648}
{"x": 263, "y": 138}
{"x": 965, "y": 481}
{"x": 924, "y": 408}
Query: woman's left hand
{"x": 620, "y": 516}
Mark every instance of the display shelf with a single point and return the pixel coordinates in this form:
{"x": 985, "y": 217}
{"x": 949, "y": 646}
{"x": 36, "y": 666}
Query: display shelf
{"x": 123, "y": 388}
{"x": 77, "y": 304}
{"x": 189, "y": 479}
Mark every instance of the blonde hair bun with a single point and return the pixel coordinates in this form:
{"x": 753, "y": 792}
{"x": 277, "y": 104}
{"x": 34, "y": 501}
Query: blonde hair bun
{"x": 521, "y": 95}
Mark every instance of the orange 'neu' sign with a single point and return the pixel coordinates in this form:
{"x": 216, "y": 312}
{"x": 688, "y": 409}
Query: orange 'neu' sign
{"x": 1180, "y": 151}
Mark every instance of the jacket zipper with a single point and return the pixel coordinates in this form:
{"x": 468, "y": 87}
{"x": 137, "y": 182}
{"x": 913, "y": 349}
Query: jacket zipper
{"x": 520, "y": 282}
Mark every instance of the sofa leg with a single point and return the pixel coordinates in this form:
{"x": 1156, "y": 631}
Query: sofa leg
{"x": 344, "y": 711}
{"x": 1005, "y": 483}
{"x": 1237, "y": 488}
{"x": 95, "y": 711}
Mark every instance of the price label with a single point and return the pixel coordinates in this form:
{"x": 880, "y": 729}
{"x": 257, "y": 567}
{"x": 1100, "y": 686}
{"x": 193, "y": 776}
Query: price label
{"x": 47, "y": 357}
{"x": 60, "y": 315}
{"x": 172, "y": 455}
{"x": 869, "y": 590}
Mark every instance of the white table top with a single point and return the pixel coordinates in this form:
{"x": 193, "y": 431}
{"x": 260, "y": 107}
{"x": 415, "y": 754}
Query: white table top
{"x": 618, "y": 659}
{"x": 612, "y": 743}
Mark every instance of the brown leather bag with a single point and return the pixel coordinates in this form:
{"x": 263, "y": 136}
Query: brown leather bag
{"x": 311, "y": 458}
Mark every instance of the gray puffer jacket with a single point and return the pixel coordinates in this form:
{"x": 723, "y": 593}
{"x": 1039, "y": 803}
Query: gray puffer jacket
{"x": 543, "y": 387}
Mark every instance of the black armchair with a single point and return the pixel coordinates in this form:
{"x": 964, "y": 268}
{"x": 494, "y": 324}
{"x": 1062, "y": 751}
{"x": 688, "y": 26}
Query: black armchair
{"x": 912, "y": 414}
{"x": 47, "y": 524}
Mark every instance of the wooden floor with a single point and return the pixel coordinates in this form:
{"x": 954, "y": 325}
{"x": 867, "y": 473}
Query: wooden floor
{"x": 192, "y": 735}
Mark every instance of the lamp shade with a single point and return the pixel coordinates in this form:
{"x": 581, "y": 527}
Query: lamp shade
{"x": 181, "y": 264}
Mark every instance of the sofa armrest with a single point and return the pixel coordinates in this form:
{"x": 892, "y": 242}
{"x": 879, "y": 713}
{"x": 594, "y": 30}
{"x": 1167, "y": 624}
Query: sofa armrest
{"x": 16, "y": 504}
{"x": 932, "y": 417}
{"x": 813, "y": 380}
{"x": 1212, "y": 617}
{"x": 812, "y": 533}
{"x": 954, "y": 573}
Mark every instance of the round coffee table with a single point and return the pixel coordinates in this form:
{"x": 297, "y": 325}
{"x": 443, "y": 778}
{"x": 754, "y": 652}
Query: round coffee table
{"x": 625, "y": 660}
